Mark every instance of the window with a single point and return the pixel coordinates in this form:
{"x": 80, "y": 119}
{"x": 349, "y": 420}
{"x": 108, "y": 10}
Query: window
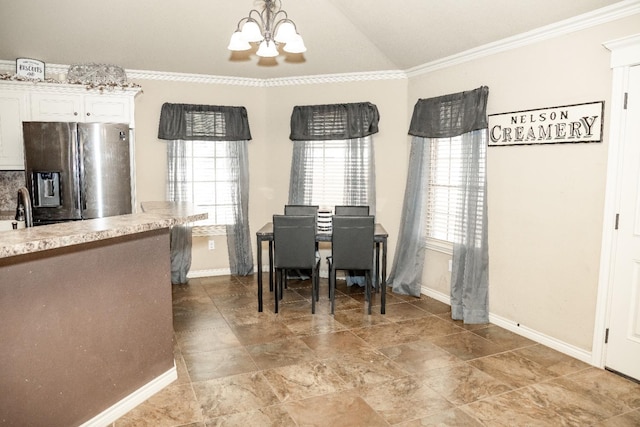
{"x": 444, "y": 204}
{"x": 336, "y": 172}
{"x": 445, "y": 160}
{"x": 207, "y": 180}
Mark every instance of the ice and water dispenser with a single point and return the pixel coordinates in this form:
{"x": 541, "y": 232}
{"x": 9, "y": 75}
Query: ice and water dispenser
{"x": 46, "y": 189}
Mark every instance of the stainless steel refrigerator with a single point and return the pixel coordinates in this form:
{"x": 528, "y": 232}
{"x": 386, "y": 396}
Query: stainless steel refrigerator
{"x": 77, "y": 171}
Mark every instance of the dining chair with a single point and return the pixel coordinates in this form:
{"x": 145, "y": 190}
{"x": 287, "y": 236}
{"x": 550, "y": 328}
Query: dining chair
{"x": 352, "y": 210}
{"x": 294, "y": 239}
{"x": 301, "y": 210}
{"x": 352, "y": 248}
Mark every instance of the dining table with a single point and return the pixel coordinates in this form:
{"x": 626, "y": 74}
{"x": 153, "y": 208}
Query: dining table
{"x": 265, "y": 234}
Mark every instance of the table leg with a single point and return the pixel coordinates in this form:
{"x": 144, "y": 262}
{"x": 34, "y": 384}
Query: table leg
{"x": 259, "y": 250}
{"x": 270, "y": 265}
{"x": 384, "y": 277}
{"x": 376, "y": 279}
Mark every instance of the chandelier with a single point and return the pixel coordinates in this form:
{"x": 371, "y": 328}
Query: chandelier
{"x": 269, "y": 28}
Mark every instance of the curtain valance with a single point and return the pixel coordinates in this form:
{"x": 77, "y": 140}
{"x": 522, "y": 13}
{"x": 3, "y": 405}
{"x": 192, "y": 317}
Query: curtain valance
{"x": 450, "y": 115}
{"x": 334, "y": 121}
{"x": 203, "y": 122}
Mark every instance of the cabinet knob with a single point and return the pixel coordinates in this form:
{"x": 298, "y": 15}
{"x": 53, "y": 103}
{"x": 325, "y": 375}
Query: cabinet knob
{"x": 75, "y": 113}
{"x": 88, "y": 114}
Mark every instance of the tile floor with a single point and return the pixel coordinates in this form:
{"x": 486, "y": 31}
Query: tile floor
{"x": 413, "y": 366}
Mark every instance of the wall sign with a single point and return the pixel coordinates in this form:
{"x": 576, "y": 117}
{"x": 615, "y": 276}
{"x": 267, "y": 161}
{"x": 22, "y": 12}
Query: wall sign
{"x": 554, "y": 125}
{"x": 30, "y": 68}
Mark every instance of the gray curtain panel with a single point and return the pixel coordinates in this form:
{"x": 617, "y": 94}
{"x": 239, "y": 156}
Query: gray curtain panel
{"x": 187, "y": 122}
{"x": 457, "y": 115}
{"x": 405, "y": 276}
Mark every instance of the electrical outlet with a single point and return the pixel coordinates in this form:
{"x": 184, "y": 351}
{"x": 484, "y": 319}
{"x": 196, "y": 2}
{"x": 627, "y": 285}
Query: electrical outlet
{"x": 212, "y": 245}
{"x": 450, "y": 265}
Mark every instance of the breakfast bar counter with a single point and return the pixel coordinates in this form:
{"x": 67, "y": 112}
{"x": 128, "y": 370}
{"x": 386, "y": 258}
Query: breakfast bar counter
{"x": 86, "y": 314}
{"x": 155, "y": 215}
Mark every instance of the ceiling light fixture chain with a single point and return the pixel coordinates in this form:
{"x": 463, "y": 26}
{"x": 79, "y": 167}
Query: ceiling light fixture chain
{"x": 270, "y": 27}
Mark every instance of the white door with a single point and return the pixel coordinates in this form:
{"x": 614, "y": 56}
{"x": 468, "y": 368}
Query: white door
{"x": 623, "y": 348}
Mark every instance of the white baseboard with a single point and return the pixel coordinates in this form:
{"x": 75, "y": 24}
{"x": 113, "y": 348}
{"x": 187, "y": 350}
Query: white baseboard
{"x": 207, "y": 273}
{"x": 324, "y": 273}
{"x": 516, "y": 328}
{"x": 134, "y": 399}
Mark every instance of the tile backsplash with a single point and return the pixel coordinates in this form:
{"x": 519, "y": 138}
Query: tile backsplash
{"x": 10, "y": 181}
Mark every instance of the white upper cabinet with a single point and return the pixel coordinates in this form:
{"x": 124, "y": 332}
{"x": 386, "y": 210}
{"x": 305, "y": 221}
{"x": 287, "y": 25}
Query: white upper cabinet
{"x": 13, "y": 110}
{"x": 51, "y": 102}
{"x": 62, "y": 107}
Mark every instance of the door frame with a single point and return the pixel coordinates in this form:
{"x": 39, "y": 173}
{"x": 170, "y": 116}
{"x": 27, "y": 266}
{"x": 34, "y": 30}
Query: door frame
{"x": 625, "y": 53}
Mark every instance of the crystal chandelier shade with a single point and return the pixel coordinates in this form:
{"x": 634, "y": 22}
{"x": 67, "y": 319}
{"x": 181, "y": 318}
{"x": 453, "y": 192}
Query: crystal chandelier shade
{"x": 267, "y": 28}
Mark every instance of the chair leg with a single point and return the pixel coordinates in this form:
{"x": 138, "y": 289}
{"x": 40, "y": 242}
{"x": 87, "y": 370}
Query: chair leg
{"x": 367, "y": 280}
{"x": 275, "y": 288}
{"x": 332, "y": 289}
{"x": 313, "y": 291}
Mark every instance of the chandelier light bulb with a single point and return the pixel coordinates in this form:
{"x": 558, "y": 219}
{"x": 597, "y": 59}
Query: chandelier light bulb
{"x": 285, "y": 33}
{"x": 267, "y": 49}
{"x": 238, "y": 42}
{"x": 251, "y": 32}
{"x": 295, "y": 45}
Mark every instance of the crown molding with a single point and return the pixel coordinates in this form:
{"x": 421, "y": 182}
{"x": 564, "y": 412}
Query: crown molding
{"x": 336, "y": 78}
{"x": 603, "y": 15}
{"x": 600, "y": 16}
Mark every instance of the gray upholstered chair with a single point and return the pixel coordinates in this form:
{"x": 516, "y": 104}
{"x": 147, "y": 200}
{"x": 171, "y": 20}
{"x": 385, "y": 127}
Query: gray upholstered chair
{"x": 301, "y": 210}
{"x": 294, "y": 239}
{"x": 351, "y": 210}
{"x": 352, "y": 248}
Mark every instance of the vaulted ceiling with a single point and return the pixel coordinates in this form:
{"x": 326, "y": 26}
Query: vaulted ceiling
{"x": 342, "y": 36}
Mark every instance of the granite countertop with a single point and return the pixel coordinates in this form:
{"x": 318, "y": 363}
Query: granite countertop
{"x": 155, "y": 215}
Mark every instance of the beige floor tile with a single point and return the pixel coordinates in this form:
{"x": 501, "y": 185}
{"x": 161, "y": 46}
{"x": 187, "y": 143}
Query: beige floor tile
{"x": 466, "y": 345}
{"x": 629, "y": 419}
{"x": 335, "y": 344}
{"x": 403, "y": 399}
{"x": 512, "y": 369}
{"x": 217, "y": 364}
{"x": 404, "y": 311}
{"x": 507, "y": 339}
{"x": 261, "y": 332}
{"x": 449, "y": 418}
{"x": 234, "y": 394}
{"x": 272, "y": 416}
{"x": 296, "y": 382}
{"x": 553, "y": 360}
{"x": 419, "y": 356}
{"x": 365, "y": 367}
{"x": 358, "y": 318}
{"x": 431, "y": 305}
{"x": 212, "y": 339}
{"x": 314, "y": 324}
{"x": 462, "y": 383}
{"x": 335, "y": 410}
{"x": 275, "y": 354}
{"x": 576, "y": 404}
{"x": 174, "y": 405}
{"x": 610, "y": 385}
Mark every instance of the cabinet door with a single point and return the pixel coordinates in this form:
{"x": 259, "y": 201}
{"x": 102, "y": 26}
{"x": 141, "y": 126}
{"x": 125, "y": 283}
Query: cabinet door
{"x": 107, "y": 109}
{"x": 13, "y": 110}
{"x": 56, "y": 107}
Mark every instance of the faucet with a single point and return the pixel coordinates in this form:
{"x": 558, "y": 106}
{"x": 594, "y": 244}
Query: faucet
{"x": 24, "y": 202}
